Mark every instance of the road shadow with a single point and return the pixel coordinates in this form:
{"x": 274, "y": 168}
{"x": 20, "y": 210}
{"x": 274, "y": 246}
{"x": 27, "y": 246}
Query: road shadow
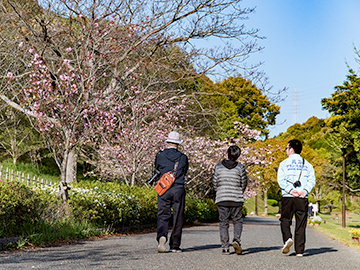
{"x": 204, "y": 247}
{"x": 317, "y": 251}
{"x": 260, "y": 249}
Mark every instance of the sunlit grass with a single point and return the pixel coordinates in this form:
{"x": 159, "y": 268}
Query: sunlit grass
{"x": 332, "y": 227}
{"x": 250, "y": 206}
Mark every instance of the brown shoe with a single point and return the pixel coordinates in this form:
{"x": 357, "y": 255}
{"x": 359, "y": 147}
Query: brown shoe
{"x": 237, "y": 247}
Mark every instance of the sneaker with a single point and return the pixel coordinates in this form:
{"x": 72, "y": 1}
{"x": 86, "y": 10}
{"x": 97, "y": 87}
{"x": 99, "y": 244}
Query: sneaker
{"x": 237, "y": 247}
{"x": 287, "y": 246}
{"x": 225, "y": 251}
{"x": 161, "y": 246}
{"x": 299, "y": 255}
{"x": 175, "y": 250}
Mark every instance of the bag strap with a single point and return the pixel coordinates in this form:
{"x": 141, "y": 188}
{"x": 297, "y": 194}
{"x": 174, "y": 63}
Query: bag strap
{"x": 301, "y": 168}
{"x": 176, "y": 165}
{"x": 300, "y": 172}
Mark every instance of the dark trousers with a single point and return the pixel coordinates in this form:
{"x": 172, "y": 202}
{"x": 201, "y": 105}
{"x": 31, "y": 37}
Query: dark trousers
{"x": 299, "y": 208}
{"x": 225, "y": 214}
{"x": 173, "y": 198}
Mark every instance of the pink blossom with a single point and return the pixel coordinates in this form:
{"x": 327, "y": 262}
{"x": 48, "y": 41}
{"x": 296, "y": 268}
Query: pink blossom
{"x": 21, "y": 44}
{"x": 10, "y": 75}
{"x": 68, "y": 49}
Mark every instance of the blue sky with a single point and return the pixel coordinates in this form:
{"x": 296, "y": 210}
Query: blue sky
{"x": 307, "y": 46}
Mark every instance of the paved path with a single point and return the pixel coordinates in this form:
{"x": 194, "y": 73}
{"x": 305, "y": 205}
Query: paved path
{"x": 261, "y": 242}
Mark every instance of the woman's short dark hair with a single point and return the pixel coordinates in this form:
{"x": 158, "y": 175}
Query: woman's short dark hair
{"x": 296, "y": 145}
{"x": 233, "y": 152}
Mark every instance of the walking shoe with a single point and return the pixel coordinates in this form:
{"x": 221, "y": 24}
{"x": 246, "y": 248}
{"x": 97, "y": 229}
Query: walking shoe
{"x": 237, "y": 247}
{"x": 299, "y": 255}
{"x": 225, "y": 251}
{"x": 161, "y": 246}
{"x": 287, "y": 246}
{"x": 175, "y": 250}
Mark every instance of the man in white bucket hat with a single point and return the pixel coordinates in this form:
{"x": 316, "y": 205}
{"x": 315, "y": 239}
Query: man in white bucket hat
{"x": 174, "y": 197}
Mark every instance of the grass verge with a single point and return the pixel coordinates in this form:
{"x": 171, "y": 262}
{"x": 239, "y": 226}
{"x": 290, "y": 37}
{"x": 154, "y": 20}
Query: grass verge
{"x": 332, "y": 227}
{"x": 250, "y": 206}
{"x": 46, "y": 234}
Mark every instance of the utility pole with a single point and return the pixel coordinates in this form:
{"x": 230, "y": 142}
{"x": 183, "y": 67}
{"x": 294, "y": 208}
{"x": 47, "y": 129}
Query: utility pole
{"x": 256, "y": 205}
{"x": 343, "y": 190}
{"x": 294, "y": 120}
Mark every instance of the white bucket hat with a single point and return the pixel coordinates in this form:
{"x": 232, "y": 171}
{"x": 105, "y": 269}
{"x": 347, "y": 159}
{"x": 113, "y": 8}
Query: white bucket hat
{"x": 173, "y": 137}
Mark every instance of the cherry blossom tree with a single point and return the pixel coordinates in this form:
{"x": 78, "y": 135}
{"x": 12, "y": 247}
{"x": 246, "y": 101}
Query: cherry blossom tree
{"x": 110, "y": 74}
{"x": 204, "y": 153}
{"x": 128, "y": 153}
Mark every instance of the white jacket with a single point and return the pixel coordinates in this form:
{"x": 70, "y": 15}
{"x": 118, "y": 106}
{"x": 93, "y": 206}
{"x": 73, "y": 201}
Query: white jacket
{"x": 288, "y": 174}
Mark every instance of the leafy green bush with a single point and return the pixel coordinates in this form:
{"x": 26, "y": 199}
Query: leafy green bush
{"x": 27, "y": 211}
{"x": 272, "y": 202}
{"x": 121, "y": 205}
{"x": 104, "y": 204}
{"x": 197, "y": 210}
{"x": 20, "y": 207}
{"x": 147, "y": 199}
{"x": 244, "y": 211}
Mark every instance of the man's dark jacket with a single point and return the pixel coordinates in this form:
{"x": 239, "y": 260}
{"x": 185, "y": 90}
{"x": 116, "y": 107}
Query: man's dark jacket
{"x": 165, "y": 161}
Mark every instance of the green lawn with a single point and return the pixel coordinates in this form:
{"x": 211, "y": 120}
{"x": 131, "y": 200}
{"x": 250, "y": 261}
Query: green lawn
{"x": 333, "y": 228}
{"x": 250, "y": 206}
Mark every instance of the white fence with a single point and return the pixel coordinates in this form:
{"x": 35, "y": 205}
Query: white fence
{"x": 9, "y": 175}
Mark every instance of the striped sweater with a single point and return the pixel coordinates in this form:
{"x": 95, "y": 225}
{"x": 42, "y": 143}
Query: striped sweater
{"x": 229, "y": 184}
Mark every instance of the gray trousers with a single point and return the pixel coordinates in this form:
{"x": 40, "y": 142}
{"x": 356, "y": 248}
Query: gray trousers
{"x": 225, "y": 214}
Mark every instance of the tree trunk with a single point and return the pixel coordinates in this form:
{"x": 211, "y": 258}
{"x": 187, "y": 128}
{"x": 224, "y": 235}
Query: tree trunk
{"x": 265, "y": 203}
{"x": 71, "y": 166}
{"x": 134, "y": 169}
{"x": 256, "y": 204}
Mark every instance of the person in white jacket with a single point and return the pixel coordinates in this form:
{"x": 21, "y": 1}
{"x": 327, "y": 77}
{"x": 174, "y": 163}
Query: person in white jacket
{"x": 296, "y": 178}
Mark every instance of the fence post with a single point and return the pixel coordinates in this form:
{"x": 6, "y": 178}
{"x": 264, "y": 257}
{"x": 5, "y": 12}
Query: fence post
{"x": 1, "y": 171}
{"x": 22, "y": 177}
{"x": 34, "y": 181}
{"x": 7, "y": 172}
{"x": 28, "y": 180}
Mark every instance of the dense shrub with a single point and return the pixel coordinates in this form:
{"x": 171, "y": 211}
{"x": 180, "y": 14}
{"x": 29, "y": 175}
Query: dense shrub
{"x": 104, "y": 204}
{"x": 197, "y": 210}
{"x": 121, "y": 205}
{"x": 244, "y": 211}
{"x": 272, "y": 202}
{"x": 20, "y": 207}
{"x": 27, "y": 210}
